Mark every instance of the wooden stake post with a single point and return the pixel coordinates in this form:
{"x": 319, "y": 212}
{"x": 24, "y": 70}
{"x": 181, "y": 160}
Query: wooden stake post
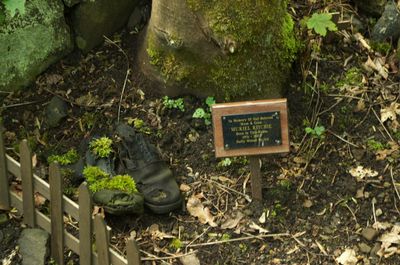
{"x": 251, "y": 128}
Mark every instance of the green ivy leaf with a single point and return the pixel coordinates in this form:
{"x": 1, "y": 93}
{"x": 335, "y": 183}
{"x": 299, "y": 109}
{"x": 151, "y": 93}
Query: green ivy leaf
{"x": 199, "y": 113}
{"x": 319, "y": 130}
{"x": 13, "y": 5}
{"x": 321, "y": 23}
{"x": 210, "y": 101}
{"x": 309, "y": 130}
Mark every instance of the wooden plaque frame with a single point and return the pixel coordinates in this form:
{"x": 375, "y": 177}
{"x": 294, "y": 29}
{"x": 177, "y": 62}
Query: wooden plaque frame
{"x": 249, "y": 107}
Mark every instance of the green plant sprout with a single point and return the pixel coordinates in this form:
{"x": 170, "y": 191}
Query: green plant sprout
{"x": 174, "y": 103}
{"x": 176, "y": 244}
{"x": 98, "y": 180}
{"x": 321, "y": 23}
{"x": 68, "y": 158}
{"x": 316, "y": 132}
{"x": 226, "y": 162}
{"x": 353, "y": 77}
{"x": 200, "y": 113}
{"x": 101, "y": 147}
{"x": 139, "y": 125}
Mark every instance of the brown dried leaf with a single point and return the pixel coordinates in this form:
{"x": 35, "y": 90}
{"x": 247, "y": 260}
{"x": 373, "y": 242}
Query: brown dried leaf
{"x": 39, "y": 199}
{"x": 232, "y": 222}
{"x": 155, "y": 232}
{"x": 390, "y": 112}
{"x": 348, "y": 257}
{"x": 260, "y": 229}
{"x": 390, "y": 241}
{"x": 197, "y": 209}
{"x": 184, "y": 187}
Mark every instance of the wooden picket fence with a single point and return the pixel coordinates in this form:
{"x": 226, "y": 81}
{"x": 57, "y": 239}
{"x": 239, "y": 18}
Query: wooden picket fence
{"x": 60, "y": 205}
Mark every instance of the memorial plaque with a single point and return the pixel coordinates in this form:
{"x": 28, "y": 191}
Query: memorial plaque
{"x": 250, "y": 128}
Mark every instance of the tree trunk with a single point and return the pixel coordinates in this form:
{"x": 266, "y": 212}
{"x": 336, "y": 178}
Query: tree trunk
{"x": 222, "y": 48}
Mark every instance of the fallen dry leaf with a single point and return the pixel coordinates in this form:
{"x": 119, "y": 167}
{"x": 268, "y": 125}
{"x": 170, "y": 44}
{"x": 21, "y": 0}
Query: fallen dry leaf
{"x": 390, "y": 112}
{"x": 262, "y": 218}
{"x": 259, "y": 228}
{"x": 233, "y": 221}
{"x": 184, "y": 187}
{"x": 348, "y": 257}
{"x": 360, "y": 172}
{"x": 155, "y": 232}
{"x": 190, "y": 259}
{"x": 197, "y": 209}
{"x": 390, "y": 242}
{"x": 381, "y": 225}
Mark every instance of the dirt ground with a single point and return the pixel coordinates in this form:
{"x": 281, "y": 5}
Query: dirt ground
{"x": 340, "y": 177}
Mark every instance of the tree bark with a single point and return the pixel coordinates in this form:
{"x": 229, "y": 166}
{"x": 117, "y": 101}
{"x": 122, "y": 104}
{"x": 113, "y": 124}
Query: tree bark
{"x": 227, "y": 49}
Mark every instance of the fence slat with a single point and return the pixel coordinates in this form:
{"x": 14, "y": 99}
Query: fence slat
{"x": 85, "y": 225}
{"x": 132, "y": 252}
{"x": 56, "y": 214}
{"x": 28, "y": 201}
{"x": 4, "y": 187}
{"x": 100, "y": 230}
{"x": 43, "y": 188}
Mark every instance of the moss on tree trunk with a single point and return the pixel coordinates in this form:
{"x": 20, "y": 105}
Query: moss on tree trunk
{"x": 228, "y": 49}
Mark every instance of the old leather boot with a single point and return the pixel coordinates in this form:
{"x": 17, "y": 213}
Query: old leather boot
{"x": 153, "y": 178}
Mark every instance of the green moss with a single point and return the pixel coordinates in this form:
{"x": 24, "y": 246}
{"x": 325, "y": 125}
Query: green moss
{"x": 120, "y": 182}
{"x": 374, "y": 145}
{"x": 93, "y": 174}
{"x": 98, "y": 180}
{"x": 176, "y": 243}
{"x": 381, "y": 47}
{"x": 68, "y": 158}
{"x": 101, "y": 147}
{"x": 170, "y": 67}
{"x": 353, "y": 77}
{"x": 257, "y": 48}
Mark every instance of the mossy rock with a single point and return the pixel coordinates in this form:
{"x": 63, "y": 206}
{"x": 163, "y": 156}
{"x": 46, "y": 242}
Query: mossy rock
{"x": 93, "y": 19}
{"x": 32, "y": 41}
{"x": 243, "y": 50}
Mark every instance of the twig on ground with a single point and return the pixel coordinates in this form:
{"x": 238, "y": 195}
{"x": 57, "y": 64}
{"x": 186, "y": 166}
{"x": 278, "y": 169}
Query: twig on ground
{"x": 191, "y": 242}
{"x": 173, "y": 256}
{"x": 241, "y": 239}
{"x": 341, "y": 138}
{"x": 64, "y": 98}
{"x": 128, "y": 70}
{"x": 373, "y": 211}
{"x": 21, "y": 104}
{"x": 384, "y": 127}
{"x": 394, "y": 183}
{"x": 247, "y": 197}
{"x": 352, "y": 213}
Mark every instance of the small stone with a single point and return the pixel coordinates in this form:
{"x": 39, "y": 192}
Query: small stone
{"x": 328, "y": 230}
{"x": 375, "y": 249}
{"x": 364, "y": 248}
{"x": 34, "y": 246}
{"x": 56, "y": 111}
{"x": 307, "y": 203}
{"x": 387, "y": 184}
{"x": 248, "y": 212}
{"x": 3, "y": 218}
{"x": 369, "y": 233}
{"x": 378, "y": 212}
